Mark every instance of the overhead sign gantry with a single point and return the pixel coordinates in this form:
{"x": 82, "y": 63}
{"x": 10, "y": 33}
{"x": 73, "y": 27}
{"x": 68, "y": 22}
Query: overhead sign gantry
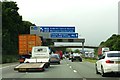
{"x": 57, "y": 29}
{"x": 57, "y": 34}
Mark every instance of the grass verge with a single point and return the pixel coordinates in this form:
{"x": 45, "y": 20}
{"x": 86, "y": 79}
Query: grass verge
{"x": 9, "y": 58}
{"x": 92, "y": 60}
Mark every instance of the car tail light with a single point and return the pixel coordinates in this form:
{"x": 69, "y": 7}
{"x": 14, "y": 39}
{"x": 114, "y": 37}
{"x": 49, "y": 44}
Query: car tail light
{"x": 39, "y": 68}
{"x": 109, "y": 61}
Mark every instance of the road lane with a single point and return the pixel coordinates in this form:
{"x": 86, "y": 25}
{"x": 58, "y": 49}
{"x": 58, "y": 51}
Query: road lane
{"x": 55, "y": 71}
{"x": 66, "y": 69}
{"x": 85, "y": 69}
{"x": 8, "y": 72}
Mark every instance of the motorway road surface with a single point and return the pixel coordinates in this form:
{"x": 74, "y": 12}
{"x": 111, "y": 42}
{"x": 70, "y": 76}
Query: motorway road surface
{"x": 66, "y": 69}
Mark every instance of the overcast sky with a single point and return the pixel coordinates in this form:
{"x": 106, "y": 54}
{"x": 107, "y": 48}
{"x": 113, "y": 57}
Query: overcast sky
{"x": 95, "y": 20}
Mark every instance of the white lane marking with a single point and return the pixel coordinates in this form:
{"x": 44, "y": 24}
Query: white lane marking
{"x": 84, "y": 78}
{"x": 90, "y": 62}
{"x": 70, "y": 66}
{"x": 8, "y": 66}
{"x": 67, "y": 64}
{"x": 74, "y": 71}
{"x": 55, "y": 65}
{"x": 5, "y": 67}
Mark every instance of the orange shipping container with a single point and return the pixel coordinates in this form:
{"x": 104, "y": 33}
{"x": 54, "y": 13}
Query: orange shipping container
{"x": 26, "y": 42}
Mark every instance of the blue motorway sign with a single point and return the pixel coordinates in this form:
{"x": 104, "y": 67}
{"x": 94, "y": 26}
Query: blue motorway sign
{"x": 63, "y": 35}
{"x": 56, "y": 29}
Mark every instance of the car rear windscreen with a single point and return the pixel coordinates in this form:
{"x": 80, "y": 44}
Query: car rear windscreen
{"x": 54, "y": 56}
{"x": 113, "y": 55}
{"x": 40, "y": 50}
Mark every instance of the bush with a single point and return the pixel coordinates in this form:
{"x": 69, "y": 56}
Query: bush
{"x": 9, "y": 58}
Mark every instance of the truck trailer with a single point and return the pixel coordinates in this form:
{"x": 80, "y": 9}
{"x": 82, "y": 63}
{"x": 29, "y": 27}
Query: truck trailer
{"x": 39, "y": 60}
{"x": 25, "y": 44}
{"x": 101, "y": 50}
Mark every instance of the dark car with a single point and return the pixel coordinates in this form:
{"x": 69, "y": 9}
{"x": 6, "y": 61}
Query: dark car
{"x": 76, "y": 56}
{"x": 66, "y": 55}
{"x": 55, "y": 58}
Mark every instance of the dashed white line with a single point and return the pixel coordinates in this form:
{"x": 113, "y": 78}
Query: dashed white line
{"x": 7, "y": 66}
{"x": 4, "y": 67}
{"x": 70, "y": 66}
{"x": 74, "y": 71}
{"x": 84, "y": 78}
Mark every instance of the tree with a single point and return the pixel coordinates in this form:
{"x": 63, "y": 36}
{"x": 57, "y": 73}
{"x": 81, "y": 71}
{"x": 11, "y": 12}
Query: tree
{"x": 11, "y": 20}
{"x": 113, "y": 42}
{"x": 25, "y": 27}
{"x": 68, "y": 50}
{"x": 12, "y": 26}
{"x": 76, "y": 51}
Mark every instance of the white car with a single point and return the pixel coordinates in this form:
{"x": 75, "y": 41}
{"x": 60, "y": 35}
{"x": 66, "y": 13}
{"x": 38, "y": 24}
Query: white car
{"x": 109, "y": 62}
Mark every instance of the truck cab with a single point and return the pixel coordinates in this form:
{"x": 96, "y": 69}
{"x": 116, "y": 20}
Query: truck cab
{"x": 40, "y": 54}
{"x": 40, "y": 59}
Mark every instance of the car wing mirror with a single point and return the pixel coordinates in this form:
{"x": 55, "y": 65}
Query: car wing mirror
{"x": 103, "y": 57}
{"x": 98, "y": 58}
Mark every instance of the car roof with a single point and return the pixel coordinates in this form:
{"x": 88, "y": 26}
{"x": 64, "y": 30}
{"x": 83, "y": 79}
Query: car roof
{"x": 113, "y": 52}
{"x": 54, "y": 54}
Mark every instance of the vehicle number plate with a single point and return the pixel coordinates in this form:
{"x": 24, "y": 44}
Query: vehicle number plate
{"x": 53, "y": 58}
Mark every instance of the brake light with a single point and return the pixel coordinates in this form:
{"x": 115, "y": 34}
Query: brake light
{"x": 108, "y": 61}
{"x": 39, "y": 68}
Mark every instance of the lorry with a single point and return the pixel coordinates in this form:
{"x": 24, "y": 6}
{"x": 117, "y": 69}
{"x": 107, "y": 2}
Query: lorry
{"x": 39, "y": 60}
{"x": 25, "y": 44}
{"x": 60, "y": 53}
{"x": 101, "y": 50}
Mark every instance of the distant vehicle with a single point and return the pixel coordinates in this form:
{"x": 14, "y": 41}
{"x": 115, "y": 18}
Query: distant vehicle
{"x": 66, "y": 55}
{"x": 101, "y": 50}
{"x": 38, "y": 62}
{"x": 76, "y": 56}
{"x": 26, "y": 42}
{"x": 55, "y": 58}
{"x": 89, "y": 54}
{"x": 70, "y": 56}
{"x": 60, "y": 53}
{"x": 63, "y": 56}
{"x": 109, "y": 62}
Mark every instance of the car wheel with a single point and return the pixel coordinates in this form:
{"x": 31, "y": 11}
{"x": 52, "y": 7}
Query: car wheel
{"x": 72, "y": 60}
{"x": 47, "y": 65}
{"x": 43, "y": 69}
{"x": 58, "y": 62}
{"x": 96, "y": 69}
{"x": 80, "y": 60}
{"x": 102, "y": 72}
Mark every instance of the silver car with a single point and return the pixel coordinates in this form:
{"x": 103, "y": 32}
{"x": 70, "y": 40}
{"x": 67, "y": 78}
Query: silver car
{"x": 55, "y": 58}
